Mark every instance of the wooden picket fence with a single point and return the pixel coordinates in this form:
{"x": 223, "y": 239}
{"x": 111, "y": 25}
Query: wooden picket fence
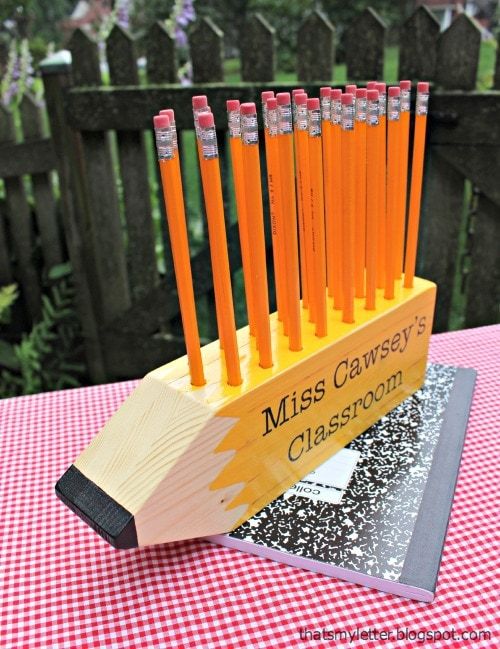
{"x": 101, "y": 148}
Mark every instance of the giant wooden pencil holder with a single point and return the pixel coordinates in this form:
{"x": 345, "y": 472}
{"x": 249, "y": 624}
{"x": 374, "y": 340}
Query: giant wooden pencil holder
{"x": 176, "y": 462}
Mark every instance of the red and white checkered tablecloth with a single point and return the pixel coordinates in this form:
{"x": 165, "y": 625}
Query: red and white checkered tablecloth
{"x": 63, "y": 586}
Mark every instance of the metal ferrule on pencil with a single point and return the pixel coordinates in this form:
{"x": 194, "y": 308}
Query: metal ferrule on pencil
{"x": 164, "y": 144}
{"x": 234, "y": 123}
{"x": 361, "y": 106}
{"x": 382, "y": 104}
{"x": 301, "y": 112}
{"x": 336, "y": 112}
{"x": 348, "y": 117}
{"x": 285, "y": 119}
{"x": 314, "y": 122}
{"x": 272, "y": 122}
{"x": 393, "y": 108}
{"x": 372, "y": 112}
{"x": 249, "y": 129}
{"x": 405, "y": 101}
{"x": 422, "y": 104}
{"x": 208, "y": 139}
{"x": 325, "y": 108}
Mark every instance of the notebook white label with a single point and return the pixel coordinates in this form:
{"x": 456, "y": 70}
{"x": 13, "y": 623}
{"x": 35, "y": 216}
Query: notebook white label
{"x": 328, "y": 482}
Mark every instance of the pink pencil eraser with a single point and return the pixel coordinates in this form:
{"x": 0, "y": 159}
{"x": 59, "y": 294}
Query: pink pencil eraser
{"x": 381, "y": 87}
{"x": 405, "y": 85}
{"x": 394, "y": 91}
{"x": 206, "y": 120}
{"x": 169, "y": 112}
{"x": 351, "y": 89}
{"x": 283, "y": 98}
{"x": 347, "y": 98}
{"x": 301, "y": 98}
{"x": 336, "y": 94}
{"x": 272, "y": 103}
{"x": 361, "y": 93}
{"x": 161, "y": 121}
{"x": 372, "y": 94}
{"x": 371, "y": 85}
{"x": 267, "y": 94}
{"x": 233, "y": 104}
{"x": 199, "y": 101}
{"x": 297, "y": 91}
{"x": 325, "y": 91}
{"x": 248, "y": 108}
{"x": 313, "y": 103}
{"x": 423, "y": 86}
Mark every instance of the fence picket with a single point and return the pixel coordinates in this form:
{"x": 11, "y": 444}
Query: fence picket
{"x": 45, "y": 204}
{"x": 364, "y": 47}
{"x": 141, "y": 259}
{"x": 441, "y": 215}
{"x": 484, "y": 274}
{"x": 105, "y": 227}
{"x": 458, "y": 54}
{"x": 57, "y": 80}
{"x": 496, "y": 77}
{"x": 257, "y": 49}
{"x": 5, "y": 261}
{"x": 418, "y": 45}
{"x": 21, "y": 226}
{"x": 316, "y": 50}
{"x": 161, "y": 57}
{"x": 206, "y": 48}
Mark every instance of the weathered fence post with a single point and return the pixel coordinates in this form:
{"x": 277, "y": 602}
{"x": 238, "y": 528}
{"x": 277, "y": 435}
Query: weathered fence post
{"x": 418, "y": 45}
{"x": 46, "y": 213}
{"x": 458, "y": 54}
{"x": 206, "y": 49}
{"x": 105, "y": 225}
{"x": 141, "y": 257}
{"x": 257, "y": 49}
{"x": 364, "y": 47}
{"x": 56, "y": 74}
{"x": 21, "y": 226}
{"x": 483, "y": 284}
{"x": 315, "y": 50}
{"x": 161, "y": 57}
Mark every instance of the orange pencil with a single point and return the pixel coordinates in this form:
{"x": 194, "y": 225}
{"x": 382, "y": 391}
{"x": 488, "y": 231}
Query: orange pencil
{"x": 382, "y": 178}
{"x": 417, "y": 169}
{"x": 168, "y": 160}
{"x": 200, "y": 105}
{"x": 233, "y": 120}
{"x": 360, "y": 222}
{"x": 317, "y": 213}
{"x": 257, "y": 244}
{"x": 285, "y": 146}
{"x": 274, "y": 190}
{"x": 336, "y": 197}
{"x": 325, "y": 94}
{"x": 372, "y": 126}
{"x": 348, "y": 206}
{"x": 299, "y": 114}
{"x": 304, "y": 200}
{"x": 214, "y": 207}
{"x": 393, "y": 111}
{"x": 404, "y": 136}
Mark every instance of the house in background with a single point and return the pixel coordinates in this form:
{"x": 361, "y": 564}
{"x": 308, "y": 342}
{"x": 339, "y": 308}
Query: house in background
{"x": 483, "y": 11}
{"x": 87, "y": 15}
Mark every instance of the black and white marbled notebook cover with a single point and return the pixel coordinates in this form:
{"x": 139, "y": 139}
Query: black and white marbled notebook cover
{"x": 389, "y": 529}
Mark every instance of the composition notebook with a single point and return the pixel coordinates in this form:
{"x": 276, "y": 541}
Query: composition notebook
{"x": 376, "y": 513}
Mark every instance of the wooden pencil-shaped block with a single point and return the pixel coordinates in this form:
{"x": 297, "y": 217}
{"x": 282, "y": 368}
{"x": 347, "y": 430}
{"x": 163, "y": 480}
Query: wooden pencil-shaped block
{"x": 177, "y": 461}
